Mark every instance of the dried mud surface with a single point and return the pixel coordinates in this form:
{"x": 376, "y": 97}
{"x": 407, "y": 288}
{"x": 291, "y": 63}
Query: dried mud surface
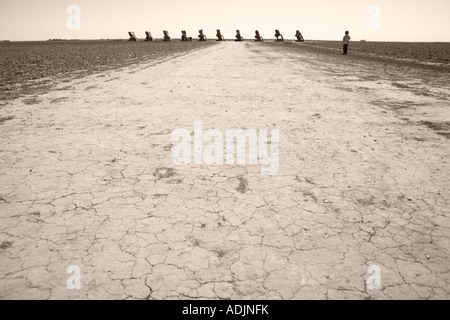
{"x": 86, "y": 179}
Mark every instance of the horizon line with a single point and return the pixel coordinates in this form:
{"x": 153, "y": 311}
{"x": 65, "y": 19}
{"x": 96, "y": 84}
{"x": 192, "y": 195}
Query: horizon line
{"x": 209, "y": 40}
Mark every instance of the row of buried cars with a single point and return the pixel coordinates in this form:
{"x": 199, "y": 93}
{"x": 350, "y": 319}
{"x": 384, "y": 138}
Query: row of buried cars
{"x": 220, "y": 37}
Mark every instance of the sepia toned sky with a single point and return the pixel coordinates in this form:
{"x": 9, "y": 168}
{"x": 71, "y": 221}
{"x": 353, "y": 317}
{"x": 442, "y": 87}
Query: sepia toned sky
{"x": 398, "y": 20}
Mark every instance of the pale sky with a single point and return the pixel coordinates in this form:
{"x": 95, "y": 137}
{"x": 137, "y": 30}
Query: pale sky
{"x": 400, "y": 20}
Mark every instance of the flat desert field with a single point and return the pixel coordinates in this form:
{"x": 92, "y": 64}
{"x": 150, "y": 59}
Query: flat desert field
{"x": 356, "y": 204}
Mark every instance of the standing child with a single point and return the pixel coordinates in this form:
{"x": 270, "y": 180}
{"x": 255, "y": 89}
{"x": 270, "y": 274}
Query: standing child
{"x": 346, "y": 41}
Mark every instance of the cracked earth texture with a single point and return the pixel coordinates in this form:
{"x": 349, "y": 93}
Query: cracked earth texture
{"x": 87, "y": 179}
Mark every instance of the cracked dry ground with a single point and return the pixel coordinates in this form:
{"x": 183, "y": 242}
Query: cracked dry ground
{"x": 87, "y": 179}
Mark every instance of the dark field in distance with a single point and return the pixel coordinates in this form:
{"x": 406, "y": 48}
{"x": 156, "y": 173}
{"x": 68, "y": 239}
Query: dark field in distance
{"x": 29, "y": 66}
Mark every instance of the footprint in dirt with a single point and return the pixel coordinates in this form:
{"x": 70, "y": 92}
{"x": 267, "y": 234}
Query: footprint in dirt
{"x": 164, "y": 173}
{"x": 168, "y": 174}
{"x": 243, "y": 185}
{"x": 5, "y": 245}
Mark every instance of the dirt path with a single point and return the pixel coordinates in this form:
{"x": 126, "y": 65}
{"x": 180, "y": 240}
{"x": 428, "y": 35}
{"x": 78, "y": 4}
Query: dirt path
{"x": 87, "y": 179}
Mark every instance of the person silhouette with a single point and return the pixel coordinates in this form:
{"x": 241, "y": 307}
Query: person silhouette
{"x": 346, "y": 42}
